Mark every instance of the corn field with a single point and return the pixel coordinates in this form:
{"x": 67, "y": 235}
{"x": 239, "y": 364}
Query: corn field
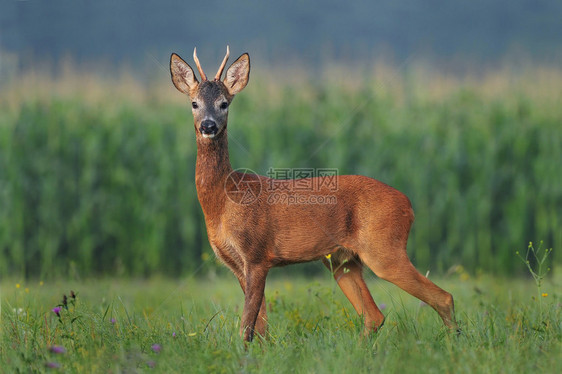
{"x": 98, "y": 177}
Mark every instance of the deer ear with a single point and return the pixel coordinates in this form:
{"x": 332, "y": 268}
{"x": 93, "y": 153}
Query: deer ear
{"x": 182, "y": 74}
{"x": 238, "y": 74}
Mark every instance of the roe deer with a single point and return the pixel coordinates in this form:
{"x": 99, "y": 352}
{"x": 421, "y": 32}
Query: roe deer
{"x": 364, "y": 222}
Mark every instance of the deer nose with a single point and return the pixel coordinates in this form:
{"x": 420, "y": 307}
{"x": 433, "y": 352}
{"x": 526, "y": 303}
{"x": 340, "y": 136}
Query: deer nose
{"x": 208, "y": 127}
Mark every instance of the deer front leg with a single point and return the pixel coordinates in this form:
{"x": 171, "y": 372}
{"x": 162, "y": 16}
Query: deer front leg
{"x": 261, "y": 323}
{"x": 255, "y": 287}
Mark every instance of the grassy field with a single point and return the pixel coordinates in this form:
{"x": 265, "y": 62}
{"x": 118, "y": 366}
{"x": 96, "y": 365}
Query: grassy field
{"x": 97, "y": 186}
{"x": 191, "y": 325}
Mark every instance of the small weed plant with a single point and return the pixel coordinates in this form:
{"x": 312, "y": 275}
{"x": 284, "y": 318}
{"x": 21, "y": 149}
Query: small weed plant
{"x": 535, "y": 259}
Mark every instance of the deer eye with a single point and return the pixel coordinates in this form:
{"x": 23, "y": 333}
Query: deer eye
{"x": 194, "y": 105}
{"x": 224, "y": 105}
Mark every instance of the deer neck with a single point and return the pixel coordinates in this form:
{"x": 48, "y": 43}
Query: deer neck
{"x": 211, "y": 170}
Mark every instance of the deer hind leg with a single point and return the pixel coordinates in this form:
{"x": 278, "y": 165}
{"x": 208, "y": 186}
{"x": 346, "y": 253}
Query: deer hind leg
{"x": 350, "y": 279}
{"x": 392, "y": 264}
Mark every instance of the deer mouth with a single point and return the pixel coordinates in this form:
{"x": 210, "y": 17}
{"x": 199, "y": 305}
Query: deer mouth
{"x": 209, "y": 134}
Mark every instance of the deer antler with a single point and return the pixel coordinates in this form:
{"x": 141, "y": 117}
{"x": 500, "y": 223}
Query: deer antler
{"x": 203, "y": 76}
{"x": 223, "y": 64}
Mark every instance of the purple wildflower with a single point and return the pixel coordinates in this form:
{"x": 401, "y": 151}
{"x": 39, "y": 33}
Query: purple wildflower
{"x": 57, "y": 310}
{"x": 113, "y": 321}
{"x": 382, "y": 306}
{"x": 173, "y": 335}
{"x": 53, "y": 365}
{"x": 156, "y": 348}
{"x": 57, "y": 349}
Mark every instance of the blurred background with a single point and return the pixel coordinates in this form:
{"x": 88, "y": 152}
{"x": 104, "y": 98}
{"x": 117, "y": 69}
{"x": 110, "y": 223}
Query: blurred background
{"x": 455, "y": 103}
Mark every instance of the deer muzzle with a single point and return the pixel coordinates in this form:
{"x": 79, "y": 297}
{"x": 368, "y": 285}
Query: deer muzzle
{"x": 208, "y": 128}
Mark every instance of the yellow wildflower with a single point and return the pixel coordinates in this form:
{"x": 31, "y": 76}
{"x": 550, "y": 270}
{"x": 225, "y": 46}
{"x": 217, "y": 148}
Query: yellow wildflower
{"x": 544, "y": 294}
{"x": 18, "y": 285}
{"x": 329, "y": 256}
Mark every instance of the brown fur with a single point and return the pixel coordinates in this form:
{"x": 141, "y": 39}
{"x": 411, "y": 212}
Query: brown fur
{"x": 368, "y": 224}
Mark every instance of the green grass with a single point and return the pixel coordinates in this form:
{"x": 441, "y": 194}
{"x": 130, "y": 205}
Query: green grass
{"x": 313, "y": 329}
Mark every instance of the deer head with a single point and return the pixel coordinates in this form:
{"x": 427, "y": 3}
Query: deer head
{"x": 210, "y": 99}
